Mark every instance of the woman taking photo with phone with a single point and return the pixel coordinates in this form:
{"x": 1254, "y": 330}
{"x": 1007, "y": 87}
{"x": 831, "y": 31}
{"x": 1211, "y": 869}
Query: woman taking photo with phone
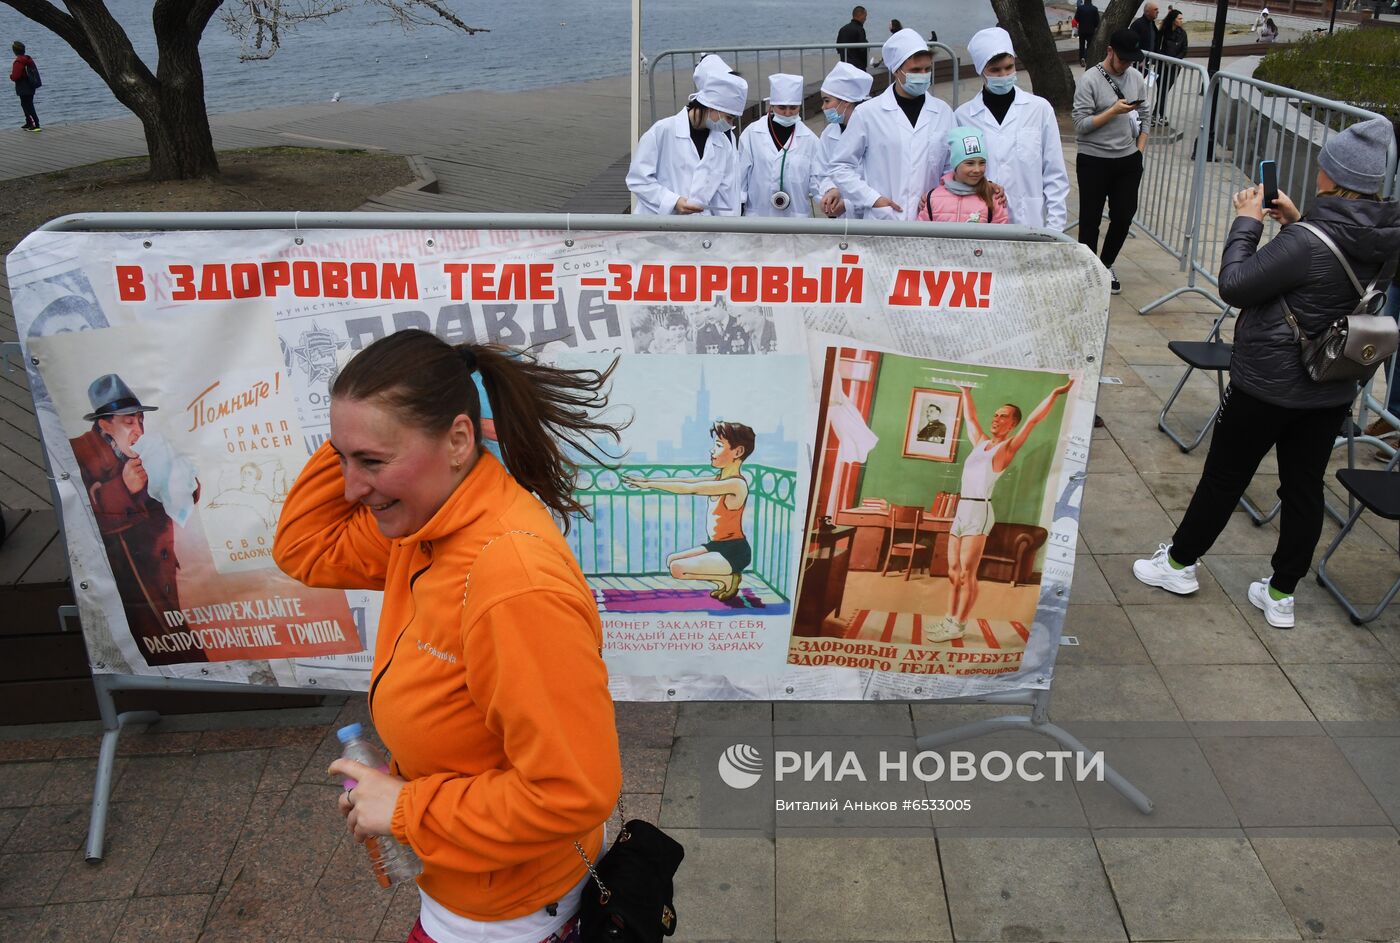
{"x": 1272, "y": 401}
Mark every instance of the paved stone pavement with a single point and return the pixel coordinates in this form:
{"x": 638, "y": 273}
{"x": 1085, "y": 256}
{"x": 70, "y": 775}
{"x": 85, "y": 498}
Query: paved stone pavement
{"x": 1274, "y": 759}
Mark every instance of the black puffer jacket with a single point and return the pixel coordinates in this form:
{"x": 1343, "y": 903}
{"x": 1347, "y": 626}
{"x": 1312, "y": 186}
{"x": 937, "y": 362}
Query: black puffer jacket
{"x": 1298, "y": 267}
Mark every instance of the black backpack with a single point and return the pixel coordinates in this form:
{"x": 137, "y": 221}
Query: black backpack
{"x": 31, "y": 73}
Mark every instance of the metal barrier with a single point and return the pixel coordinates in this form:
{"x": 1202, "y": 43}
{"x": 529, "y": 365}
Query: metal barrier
{"x": 1246, "y": 120}
{"x": 778, "y": 490}
{"x": 1180, "y": 114}
{"x": 824, "y": 55}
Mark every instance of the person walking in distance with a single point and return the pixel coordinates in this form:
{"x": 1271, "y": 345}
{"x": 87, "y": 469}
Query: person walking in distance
{"x": 1272, "y": 402}
{"x": 895, "y": 148}
{"x": 1110, "y": 122}
{"x": 854, "y": 32}
{"x": 1149, "y": 37}
{"x": 25, "y": 74}
{"x": 1022, "y": 135}
{"x": 1173, "y": 42}
{"x": 1087, "y": 16}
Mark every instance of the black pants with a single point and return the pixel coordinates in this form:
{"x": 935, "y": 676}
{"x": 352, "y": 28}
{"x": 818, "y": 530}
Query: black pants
{"x": 1114, "y": 179}
{"x": 1166, "y": 77}
{"x": 1246, "y": 429}
{"x": 31, "y": 117}
{"x": 1084, "y": 43}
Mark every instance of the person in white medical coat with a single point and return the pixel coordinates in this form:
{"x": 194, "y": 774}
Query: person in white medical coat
{"x": 895, "y": 147}
{"x": 779, "y": 157}
{"x": 711, "y": 64}
{"x": 1023, "y": 138}
{"x": 844, "y": 87}
{"x": 686, "y": 164}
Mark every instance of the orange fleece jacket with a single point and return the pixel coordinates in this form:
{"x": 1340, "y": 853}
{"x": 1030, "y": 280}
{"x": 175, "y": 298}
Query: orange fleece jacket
{"x": 491, "y": 696}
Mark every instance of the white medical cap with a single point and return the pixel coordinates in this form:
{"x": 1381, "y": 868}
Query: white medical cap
{"x": 987, "y": 45}
{"x": 784, "y": 89}
{"x": 847, "y": 83}
{"x": 723, "y": 92}
{"x": 711, "y": 63}
{"x": 902, "y": 45}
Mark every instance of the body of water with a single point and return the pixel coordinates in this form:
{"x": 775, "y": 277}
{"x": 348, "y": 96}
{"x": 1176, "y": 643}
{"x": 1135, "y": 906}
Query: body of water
{"x": 359, "y": 56}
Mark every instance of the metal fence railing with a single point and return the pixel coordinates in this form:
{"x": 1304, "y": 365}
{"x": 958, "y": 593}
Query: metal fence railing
{"x": 1247, "y": 120}
{"x": 812, "y": 62}
{"x": 632, "y": 532}
{"x": 1180, "y": 113}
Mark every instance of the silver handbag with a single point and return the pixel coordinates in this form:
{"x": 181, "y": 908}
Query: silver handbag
{"x": 1351, "y": 347}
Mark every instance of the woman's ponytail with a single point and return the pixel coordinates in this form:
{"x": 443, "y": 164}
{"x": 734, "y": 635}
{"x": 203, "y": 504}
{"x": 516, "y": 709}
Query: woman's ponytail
{"x": 543, "y": 415}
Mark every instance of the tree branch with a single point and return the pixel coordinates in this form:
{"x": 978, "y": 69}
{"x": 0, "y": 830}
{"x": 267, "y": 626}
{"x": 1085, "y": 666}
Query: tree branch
{"x": 200, "y": 13}
{"x": 114, "y": 58}
{"x": 56, "y": 21}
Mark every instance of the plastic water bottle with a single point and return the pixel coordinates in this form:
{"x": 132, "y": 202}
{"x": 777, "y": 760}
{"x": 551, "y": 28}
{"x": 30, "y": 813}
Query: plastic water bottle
{"x": 393, "y": 862}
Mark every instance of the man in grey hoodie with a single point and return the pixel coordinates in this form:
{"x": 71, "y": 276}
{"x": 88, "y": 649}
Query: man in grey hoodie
{"x": 1110, "y": 121}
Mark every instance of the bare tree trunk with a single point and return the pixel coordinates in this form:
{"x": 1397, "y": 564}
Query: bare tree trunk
{"x": 180, "y": 142}
{"x": 1117, "y": 15}
{"x": 1035, "y": 46}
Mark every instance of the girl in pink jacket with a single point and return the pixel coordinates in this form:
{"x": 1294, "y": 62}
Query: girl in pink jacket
{"x": 965, "y": 195}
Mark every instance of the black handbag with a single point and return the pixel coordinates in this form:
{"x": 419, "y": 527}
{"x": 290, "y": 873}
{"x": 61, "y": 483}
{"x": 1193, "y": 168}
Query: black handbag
{"x": 629, "y": 892}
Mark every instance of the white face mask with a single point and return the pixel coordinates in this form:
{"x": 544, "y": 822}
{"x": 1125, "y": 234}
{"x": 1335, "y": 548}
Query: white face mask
{"x": 786, "y": 121}
{"x": 1001, "y": 84}
{"x": 722, "y": 125}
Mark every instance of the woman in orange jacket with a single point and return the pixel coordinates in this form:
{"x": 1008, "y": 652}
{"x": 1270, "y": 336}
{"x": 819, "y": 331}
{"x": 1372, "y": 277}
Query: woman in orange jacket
{"x": 488, "y": 684}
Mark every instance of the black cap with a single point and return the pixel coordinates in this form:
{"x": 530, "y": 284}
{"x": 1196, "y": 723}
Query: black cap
{"x": 1127, "y": 45}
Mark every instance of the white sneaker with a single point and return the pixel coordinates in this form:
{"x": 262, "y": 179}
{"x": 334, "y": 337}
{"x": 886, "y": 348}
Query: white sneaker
{"x": 1158, "y": 571}
{"x": 1278, "y": 612}
{"x": 1114, "y": 287}
{"x": 945, "y": 631}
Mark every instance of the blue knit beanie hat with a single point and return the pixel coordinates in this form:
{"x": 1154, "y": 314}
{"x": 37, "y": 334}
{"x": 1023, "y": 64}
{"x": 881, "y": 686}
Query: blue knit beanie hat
{"x": 964, "y": 143}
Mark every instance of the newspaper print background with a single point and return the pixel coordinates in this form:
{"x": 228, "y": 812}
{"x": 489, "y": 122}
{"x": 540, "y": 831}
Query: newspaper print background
{"x": 1035, "y": 306}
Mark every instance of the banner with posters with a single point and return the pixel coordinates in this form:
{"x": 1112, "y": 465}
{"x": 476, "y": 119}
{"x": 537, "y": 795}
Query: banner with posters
{"x": 851, "y": 469}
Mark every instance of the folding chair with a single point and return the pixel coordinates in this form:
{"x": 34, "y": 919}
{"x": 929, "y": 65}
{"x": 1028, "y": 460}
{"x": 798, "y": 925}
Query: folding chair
{"x": 1379, "y": 493}
{"x": 1211, "y": 354}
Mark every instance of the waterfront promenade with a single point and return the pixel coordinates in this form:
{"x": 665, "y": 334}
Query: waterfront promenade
{"x": 1274, "y": 757}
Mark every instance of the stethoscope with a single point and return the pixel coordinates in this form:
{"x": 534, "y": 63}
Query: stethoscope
{"x": 781, "y": 200}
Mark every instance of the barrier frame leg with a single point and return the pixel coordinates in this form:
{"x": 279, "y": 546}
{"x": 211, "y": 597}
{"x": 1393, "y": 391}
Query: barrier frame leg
{"x": 112, "y": 724}
{"x": 1184, "y": 290}
{"x": 1038, "y": 723}
{"x": 106, "y": 685}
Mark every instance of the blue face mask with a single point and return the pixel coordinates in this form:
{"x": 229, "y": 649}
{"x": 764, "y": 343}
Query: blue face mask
{"x": 916, "y": 84}
{"x": 786, "y": 121}
{"x": 833, "y": 116}
{"x": 1001, "y": 84}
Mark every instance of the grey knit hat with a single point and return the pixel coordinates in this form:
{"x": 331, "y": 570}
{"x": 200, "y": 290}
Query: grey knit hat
{"x": 1356, "y": 158}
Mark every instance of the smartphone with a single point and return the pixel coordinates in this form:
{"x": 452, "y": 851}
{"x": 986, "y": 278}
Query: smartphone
{"x": 1138, "y": 102}
{"x": 1268, "y": 177}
